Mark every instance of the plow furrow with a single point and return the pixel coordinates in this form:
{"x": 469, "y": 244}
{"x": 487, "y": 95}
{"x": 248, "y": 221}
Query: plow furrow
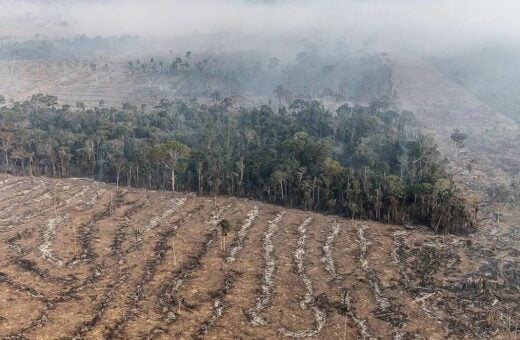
{"x": 238, "y": 243}
{"x": 386, "y": 310}
{"x": 169, "y": 301}
{"x": 327, "y": 258}
{"x": 266, "y": 287}
{"x": 218, "y": 305}
{"x": 309, "y": 300}
{"x": 159, "y": 251}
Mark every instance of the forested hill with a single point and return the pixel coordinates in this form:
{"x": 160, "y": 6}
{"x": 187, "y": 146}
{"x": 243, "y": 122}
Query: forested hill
{"x": 358, "y": 162}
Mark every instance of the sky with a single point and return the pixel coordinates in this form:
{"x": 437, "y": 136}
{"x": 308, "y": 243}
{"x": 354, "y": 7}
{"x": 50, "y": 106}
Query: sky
{"x": 420, "y": 23}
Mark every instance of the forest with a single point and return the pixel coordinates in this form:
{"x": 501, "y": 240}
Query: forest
{"x": 359, "y": 162}
{"x": 314, "y": 72}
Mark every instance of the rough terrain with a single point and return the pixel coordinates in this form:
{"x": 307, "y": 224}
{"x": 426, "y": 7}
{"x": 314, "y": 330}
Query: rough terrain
{"x": 81, "y": 80}
{"x": 80, "y": 259}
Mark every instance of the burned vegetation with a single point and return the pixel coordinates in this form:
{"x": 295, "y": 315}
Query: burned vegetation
{"x": 285, "y": 273}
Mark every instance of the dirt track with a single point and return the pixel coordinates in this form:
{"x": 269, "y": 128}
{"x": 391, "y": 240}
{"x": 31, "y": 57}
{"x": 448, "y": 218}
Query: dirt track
{"x": 70, "y": 268}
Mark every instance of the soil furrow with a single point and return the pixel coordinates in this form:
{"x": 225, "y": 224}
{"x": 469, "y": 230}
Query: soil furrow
{"x": 266, "y": 287}
{"x": 309, "y": 300}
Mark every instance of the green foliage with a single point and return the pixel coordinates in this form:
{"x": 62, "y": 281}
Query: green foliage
{"x": 358, "y": 162}
{"x": 170, "y": 152}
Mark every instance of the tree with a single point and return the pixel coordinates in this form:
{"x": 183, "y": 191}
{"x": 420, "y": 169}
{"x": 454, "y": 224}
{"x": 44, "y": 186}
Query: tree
{"x": 75, "y": 238}
{"x": 6, "y": 141}
{"x": 364, "y": 162}
{"x": 459, "y": 138}
{"x": 57, "y": 199}
{"x": 225, "y": 227}
{"x": 281, "y": 94}
{"x": 280, "y": 177}
{"x": 80, "y": 106}
{"x": 116, "y": 159}
{"x": 169, "y": 154}
{"x": 129, "y": 167}
{"x": 134, "y": 228}
{"x": 64, "y": 157}
{"x": 21, "y": 155}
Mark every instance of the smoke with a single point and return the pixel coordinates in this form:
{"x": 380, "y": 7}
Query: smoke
{"x": 423, "y": 24}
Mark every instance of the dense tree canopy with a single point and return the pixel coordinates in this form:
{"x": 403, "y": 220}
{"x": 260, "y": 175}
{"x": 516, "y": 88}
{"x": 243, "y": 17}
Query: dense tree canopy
{"x": 358, "y": 162}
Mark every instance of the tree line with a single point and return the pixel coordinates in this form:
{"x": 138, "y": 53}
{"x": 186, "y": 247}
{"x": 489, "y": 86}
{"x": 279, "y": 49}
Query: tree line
{"x": 313, "y": 73}
{"x": 359, "y": 162}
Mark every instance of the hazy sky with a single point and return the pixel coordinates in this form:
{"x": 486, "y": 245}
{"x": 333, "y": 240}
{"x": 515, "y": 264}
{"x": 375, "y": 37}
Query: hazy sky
{"x": 420, "y": 22}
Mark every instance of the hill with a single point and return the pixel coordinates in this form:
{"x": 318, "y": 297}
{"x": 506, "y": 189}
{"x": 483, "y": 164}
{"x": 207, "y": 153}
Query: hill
{"x": 86, "y": 81}
{"x": 490, "y": 73}
{"x": 487, "y": 168}
{"x": 82, "y": 260}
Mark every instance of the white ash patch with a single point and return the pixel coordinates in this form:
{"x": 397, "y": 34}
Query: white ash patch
{"x": 309, "y": 297}
{"x": 10, "y": 185}
{"x": 217, "y": 214}
{"x": 11, "y": 207}
{"x": 77, "y": 196}
{"x": 242, "y": 234}
{"x": 176, "y": 204}
{"x": 267, "y": 280}
{"x": 49, "y": 234}
{"x": 360, "y": 324}
{"x": 218, "y": 307}
{"x": 327, "y": 258}
{"x": 45, "y": 197}
{"x": 381, "y": 300}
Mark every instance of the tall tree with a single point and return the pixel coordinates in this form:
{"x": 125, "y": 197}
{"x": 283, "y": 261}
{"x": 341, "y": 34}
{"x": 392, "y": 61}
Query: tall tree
{"x": 6, "y": 143}
{"x": 169, "y": 154}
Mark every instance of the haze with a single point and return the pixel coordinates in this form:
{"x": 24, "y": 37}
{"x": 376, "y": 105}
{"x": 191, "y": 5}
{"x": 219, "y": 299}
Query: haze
{"x": 237, "y": 169}
{"x": 424, "y": 24}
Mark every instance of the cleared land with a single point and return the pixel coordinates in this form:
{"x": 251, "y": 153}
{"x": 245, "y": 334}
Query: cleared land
{"x": 81, "y": 260}
{"x": 85, "y": 80}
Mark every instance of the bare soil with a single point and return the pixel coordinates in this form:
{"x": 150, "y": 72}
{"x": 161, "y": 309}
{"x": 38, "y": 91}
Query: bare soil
{"x": 331, "y": 278}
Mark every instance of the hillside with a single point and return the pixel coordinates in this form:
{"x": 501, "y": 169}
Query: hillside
{"x": 488, "y": 166}
{"x": 88, "y": 81}
{"x": 138, "y": 263}
{"x": 490, "y": 160}
{"x": 246, "y": 77}
{"x": 490, "y": 72}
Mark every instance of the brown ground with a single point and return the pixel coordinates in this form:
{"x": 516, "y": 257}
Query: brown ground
{"x": 81, "y": 80}
{"x": 83, "y": 271}
{"x": 73, "y": 267}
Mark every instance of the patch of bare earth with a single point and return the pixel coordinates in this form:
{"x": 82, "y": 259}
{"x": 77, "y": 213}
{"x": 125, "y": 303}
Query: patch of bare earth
{"x": 102, "y": 263}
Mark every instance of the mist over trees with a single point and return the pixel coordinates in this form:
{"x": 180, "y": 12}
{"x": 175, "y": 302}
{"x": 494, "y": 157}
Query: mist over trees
{"x": 314, "y": 73}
